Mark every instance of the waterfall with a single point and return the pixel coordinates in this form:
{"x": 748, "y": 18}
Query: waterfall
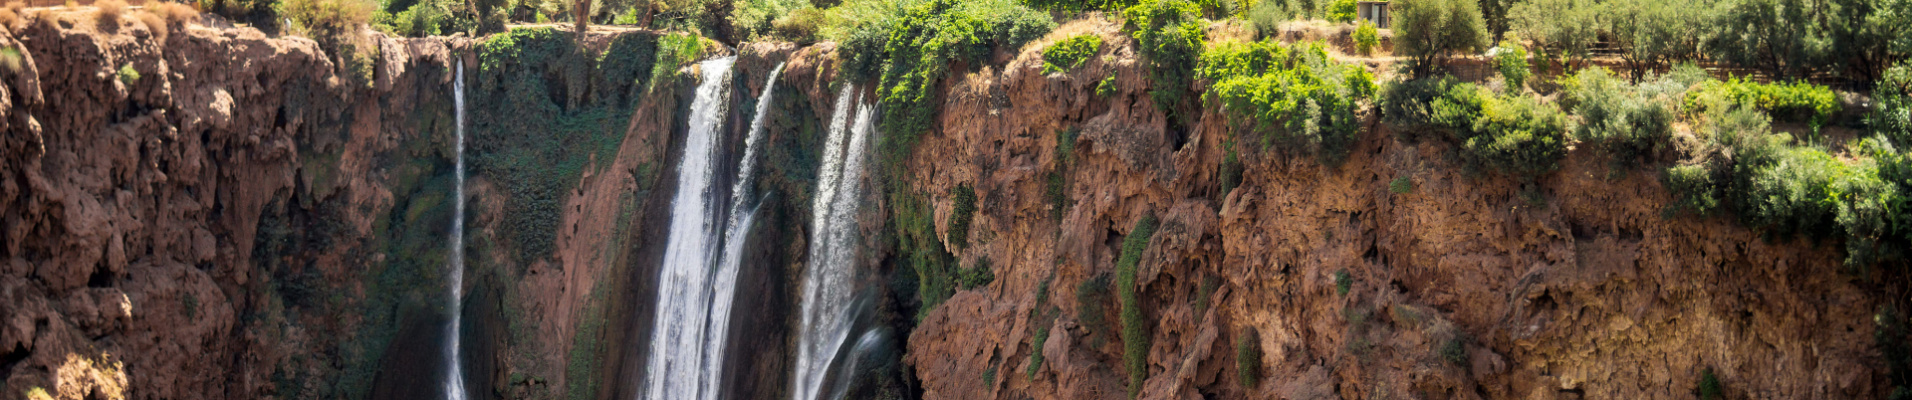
{"x": 827, "y": 286}
{"x": 454, "y": 373}
{"x": 698, "y": 283}
{"x": 736, "y": 233}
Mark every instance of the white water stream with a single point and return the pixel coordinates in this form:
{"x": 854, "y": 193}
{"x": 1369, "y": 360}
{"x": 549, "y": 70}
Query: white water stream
{"x": 828, "y": 289}
{"x": 454, "y": 373}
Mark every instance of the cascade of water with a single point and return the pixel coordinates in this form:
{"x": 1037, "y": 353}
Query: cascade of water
{"x": 683, "y": 340}
{"x": 827, "y": 286}
{"x": 865, "y": 344}
{"x": 725, "y": 289}
{"x": 454, "y": 373}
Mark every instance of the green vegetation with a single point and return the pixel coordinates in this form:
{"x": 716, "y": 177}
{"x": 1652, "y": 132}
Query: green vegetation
{"x": 962, "y": 211}
{"x": 1401, "y": 185}
{"x": 1107, "y": 87}
{"x": 1557, "y": 27}
{"x": 1266, "y": 16}
{"x": 914, "y": 226}
{"x": 1366, "y": 38}
{"x": 1135, "y": 341}
{"x": 977, "y": 276}
{"x": 1035, "y": 349}
{"x": 587, "y": 349}
{"x": 1511, "y": 61}
{"x": 1340, "y": 10}
{"x": 1892, "y": 116}
{"x": 1631, "y": 123}
{"x": 1092, "y": 300}
{"x": 1520, "y": 136}
{"x": 424, "y": 18}
{"x": 190, "y": 303}
{"x": 1709, "y": 387}
{"x": 1248, "y": 359}
{"x": 674, "y": 52}
{"x": 1069, "y": 53}
{"x": 1202, "y": 293}
{"x": 579, "y": 102}
{"x": 1169, "y": 36}
{"x": 1786, "y": 102}
{"x": 1231, "y": 167}
{"x": 1342, "y": 282}
{"x": 1454, "y": 350}
{"x": 1891, "y": 338}
{"x": 128, "y": 75}
{"x": 1431, "y": 30}
{"x": 1299, "y": 98}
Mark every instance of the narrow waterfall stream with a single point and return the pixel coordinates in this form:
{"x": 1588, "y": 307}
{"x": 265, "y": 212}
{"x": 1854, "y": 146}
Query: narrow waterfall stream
{"x": 828, "y": 289}
{"x": 737, "y": 232}
{"x": 454, "y": 373}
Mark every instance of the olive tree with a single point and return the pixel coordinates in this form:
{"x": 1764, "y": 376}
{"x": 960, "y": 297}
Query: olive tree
{"x": 1432, "y": 30}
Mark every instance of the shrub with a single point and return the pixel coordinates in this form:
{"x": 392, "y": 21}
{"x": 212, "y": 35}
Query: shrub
{"x": 1231, "y": 168}
{"x": 1789, "y": 102}
{"x": 754, "y": 19}
{"x": 977, "y": 276}
{"x": 1075, "y": 6}
{"x": 1035, "y": 349}
{"x": 110, "y": 11}
{"x": 1092, "y": 299}
{"x": 422, "y": 19}
{"x": 1366, "y": 38}
{"x": 913, "y": 51}
{"x": 1298, "y": 97}
{"x": 1693, "y": 188}
{"x": 1070, "y": 53}
{"x": 800, "y": 26}
{"x": 1779, "y": 37}
{"x": 1430, "y": 30}
{"x": 128, "y": 75}
{"x": 1892, "y": 113}
{"x": 1653, "y": 33}
{"x": 1341, "y": 11}
{"x": 1107, "y": 87}
{"x": 1517, "y": 135}
{"x": 1429, "y": 103}
{"x": 1135, "y": 341}
{"x": 326, "y": 20}
{"x": 962, "y": 210}
{"x": 1169, "y": 35}
{"x": 1342, "y": 282}
{"x": 1454, "y": 350}
{"x": 153, "y": 23}
{"x": 1266, "y": 16}
{"x": 1709, "y": 386}
{"x": 1248, "y": 359}
{"x": 1401, "y": 185}
{"x": 1617, "y": 117}
{"x": 1511, "y": 61}
{"x": 674, "y": 52}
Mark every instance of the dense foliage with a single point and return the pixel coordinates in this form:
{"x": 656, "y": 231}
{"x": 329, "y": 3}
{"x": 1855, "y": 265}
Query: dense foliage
{"x": 1787, "y": 102}
{"x": 1632, "y": 123}
{"x": 1069, "y": 53}
{"x": 1366, "y": 38}
{"x": 1135, "y": 341}
{"x": 1298, "y": 98}
{"x": 1431, "y": 30}
{"x": 1169, "y": 36}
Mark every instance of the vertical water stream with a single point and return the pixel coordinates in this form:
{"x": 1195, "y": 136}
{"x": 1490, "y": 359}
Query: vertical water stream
{"x": 828, "y": 289}
{"x": 454, "y": 373}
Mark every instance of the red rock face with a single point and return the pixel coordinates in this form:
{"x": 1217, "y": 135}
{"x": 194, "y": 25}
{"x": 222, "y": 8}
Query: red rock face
{"x": 1459, "y": 288}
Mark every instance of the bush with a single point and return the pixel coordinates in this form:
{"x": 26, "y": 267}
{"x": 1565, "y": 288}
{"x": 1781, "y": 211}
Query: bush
{"x": 1709, "y": 386}
{"x": 1169, "y": 35}
{"x": 1343, "y": 282}
{"x": 422, "y": 19}
{"x": 1430, "y": 30}
{"x": 108, "y": 16}
{"x": 1454, "y": 350}
{"x": 1266, "y": 16}
{"x": 1401, "y": 185}
{"x": 1070, "y": 53}
{"x": 175, "y": 14}
{"x": 1076, "y": 6}
{"x": 1299, "y": 98}
{"x": 1517, "y": 135}
{"x": 1430, "y": 103}
{"x": 1135, "y": 341}
{"x": 327, "y": 20}
{"x": 1092, "y": 299}
{"x": 1035, "y": 349}
{"x": 1789, "y": 102}
{"x": 1779, "y": 37}
{"x": 801, "y": 26}
{"x": 128, "y": 75}
{"x": 1341, "y": 11}
{"x": 916, "y": 49}
{"x": 1248, "y": 359}
{"x": 1892, "y": 113}
{"x": 1653, "y": 33}
{"x": 963, "y": 209}
{"x": 755, "y": 19}
{"x": 1511, "y": 61}
{"x": 1366, "y": 38}
{"x": 977, "y": 276}
{"x": 1617, "y": 117}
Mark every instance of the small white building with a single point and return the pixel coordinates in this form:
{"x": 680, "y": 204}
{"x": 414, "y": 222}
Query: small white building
{"x": 1375, "y": 12}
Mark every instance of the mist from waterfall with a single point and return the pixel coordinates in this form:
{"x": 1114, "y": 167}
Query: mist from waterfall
{"x": 454, "y": 373}
{"x": 828, "y": 286}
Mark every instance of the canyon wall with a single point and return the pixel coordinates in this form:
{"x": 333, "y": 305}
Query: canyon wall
{"x": 253, "y": 217}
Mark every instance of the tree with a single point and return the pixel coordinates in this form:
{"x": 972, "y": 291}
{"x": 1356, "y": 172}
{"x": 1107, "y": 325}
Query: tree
{"x": 1653, "y": 34}
{"x": 1779, "y": 37}
{"x": 1562, "y": 27}
{"x": 1863, "y": 34}
{"x": 1430, "y": 30}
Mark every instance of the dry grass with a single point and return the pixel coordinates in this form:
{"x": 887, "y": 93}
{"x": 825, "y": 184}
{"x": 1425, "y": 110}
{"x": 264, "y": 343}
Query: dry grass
{"x": 175, "y": 14}
{"x": 8, "y": 17}
{"x": 155, "y": 24}
{"x": 109, "y": 13}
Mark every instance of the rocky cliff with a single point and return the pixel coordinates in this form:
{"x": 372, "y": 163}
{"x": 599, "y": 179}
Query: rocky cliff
{"x": 215, "y": 213}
